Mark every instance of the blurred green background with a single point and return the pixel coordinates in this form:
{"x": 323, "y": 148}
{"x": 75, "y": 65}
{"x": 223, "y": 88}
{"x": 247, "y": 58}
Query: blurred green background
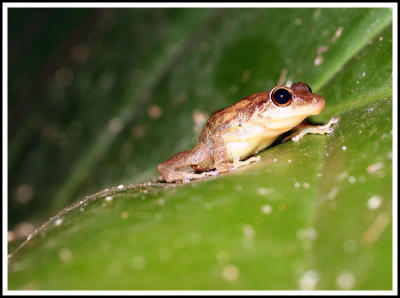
{"x": 78, "y": 86}
{"x": 99, "y": 97}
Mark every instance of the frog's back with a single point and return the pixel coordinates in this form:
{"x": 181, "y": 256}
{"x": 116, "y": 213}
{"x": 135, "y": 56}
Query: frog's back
{"x": 232, "y": 116}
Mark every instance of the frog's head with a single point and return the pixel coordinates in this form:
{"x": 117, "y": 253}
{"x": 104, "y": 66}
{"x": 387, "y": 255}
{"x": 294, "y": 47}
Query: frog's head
{"x": 297, "y": 100}
{"x": 286, "y": 107}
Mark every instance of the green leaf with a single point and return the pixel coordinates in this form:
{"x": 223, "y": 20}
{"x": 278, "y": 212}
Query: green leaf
{"x": 315, "y": 214}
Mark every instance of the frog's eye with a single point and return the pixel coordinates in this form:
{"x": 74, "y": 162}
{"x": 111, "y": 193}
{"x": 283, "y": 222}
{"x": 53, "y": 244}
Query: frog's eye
{"x": 281, "y": 96}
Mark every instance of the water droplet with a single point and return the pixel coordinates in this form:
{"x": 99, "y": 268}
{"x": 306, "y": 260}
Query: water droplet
{"x": 230, "y": 272}
{"x": 164, "y": 253}
{"x": 80, "y": 53}
{"x": 248, "y": 231}
{"x": 23, "y": 194}
{"x": 344, "y": 148}
{"x": 338, "y": 33}
{"x": 374, "y": 167}
{"x": 266, "y": 209}
{"x": 121, "y": 186}
{"x": 10, "y": 236}
{"x": 139, "y": 262}
{"x": 349, "y": 246}
{"x": 109, "y": 198}
{"x": 114, "y": 269}
{"x": 264, "y": 191}
{"x": 24, "y": 229}
{"x": 223, "y": 257}
{"x": 65, "y": 255}
{"x": 374, "y": 202}
{"x": 155, "y": 111}
{"x": 59, "y": 221}
{"x": 345, "y": 280}
{"x": 139, "y": 131}
{"x": 352, "y": 179}
{"x": 208, "y": 206}
{"x": 17, "y": 266}
{"x": 246, "y": 75}
{"x": 309, "y": 280}
{"x": 115, "y": 125}
{"x": 199, "y": 119}
{"x": 332, "y": 194}
{"x": 281, "y": 207}
{"x": 298, "y": 21}
{"x": 342, "y": 176}
{"x": 308, "y": 233}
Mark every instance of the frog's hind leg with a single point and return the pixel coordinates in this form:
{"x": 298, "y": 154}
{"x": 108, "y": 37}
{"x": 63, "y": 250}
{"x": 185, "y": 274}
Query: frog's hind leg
{"x": 199, "y": 155}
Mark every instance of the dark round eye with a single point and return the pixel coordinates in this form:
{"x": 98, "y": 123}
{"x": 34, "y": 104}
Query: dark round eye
{"x": 281, "y": 96}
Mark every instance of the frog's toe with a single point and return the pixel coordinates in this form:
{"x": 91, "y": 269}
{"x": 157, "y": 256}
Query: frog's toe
{"x": 329, "y": 130}
{"x": 210, "y": 173}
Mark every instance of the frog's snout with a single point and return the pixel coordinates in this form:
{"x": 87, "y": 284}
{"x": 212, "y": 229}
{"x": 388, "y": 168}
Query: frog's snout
{"x": 318, "y": 103}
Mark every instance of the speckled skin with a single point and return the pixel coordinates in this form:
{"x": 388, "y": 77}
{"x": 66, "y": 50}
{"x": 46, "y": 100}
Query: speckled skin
{"x": 241, "y": 130}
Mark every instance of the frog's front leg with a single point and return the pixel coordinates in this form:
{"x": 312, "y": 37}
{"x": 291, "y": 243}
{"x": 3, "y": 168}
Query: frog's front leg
{"x": 305, "y": 128}
{"x": 222, "y": 163}
{"x": 199, "y": 155}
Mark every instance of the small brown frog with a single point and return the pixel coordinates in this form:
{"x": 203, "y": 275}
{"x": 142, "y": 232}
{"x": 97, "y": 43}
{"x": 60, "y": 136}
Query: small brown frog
{"x": 245, "y": 128}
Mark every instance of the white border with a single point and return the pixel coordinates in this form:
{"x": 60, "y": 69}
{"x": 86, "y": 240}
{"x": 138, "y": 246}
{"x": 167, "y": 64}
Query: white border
{"x": 198, "y": 4}
{"x": 395, "y": 151}
{"x": 7, "y": 5}
{"x": 5, "y": 147}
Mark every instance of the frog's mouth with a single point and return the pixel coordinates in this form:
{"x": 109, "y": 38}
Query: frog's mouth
{"x": 286, "y": 123}
{"x": 319, "y": 105}
{"x": 309, "y": 109}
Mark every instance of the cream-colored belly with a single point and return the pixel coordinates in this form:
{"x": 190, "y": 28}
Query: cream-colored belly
{"x": 247, "y": 142}
{"x": 241, "y": 142}
{"x": 241, "y": 150}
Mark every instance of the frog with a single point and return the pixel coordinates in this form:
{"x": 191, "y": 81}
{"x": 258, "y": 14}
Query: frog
{"x": 233, "y": 136}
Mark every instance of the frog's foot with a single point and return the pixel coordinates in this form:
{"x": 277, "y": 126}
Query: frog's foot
{"x": 227, "y": 167}
{"x": 304, "y": 128}
{"x": 239, "y": 163}
{"x": 186, "y": 177}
